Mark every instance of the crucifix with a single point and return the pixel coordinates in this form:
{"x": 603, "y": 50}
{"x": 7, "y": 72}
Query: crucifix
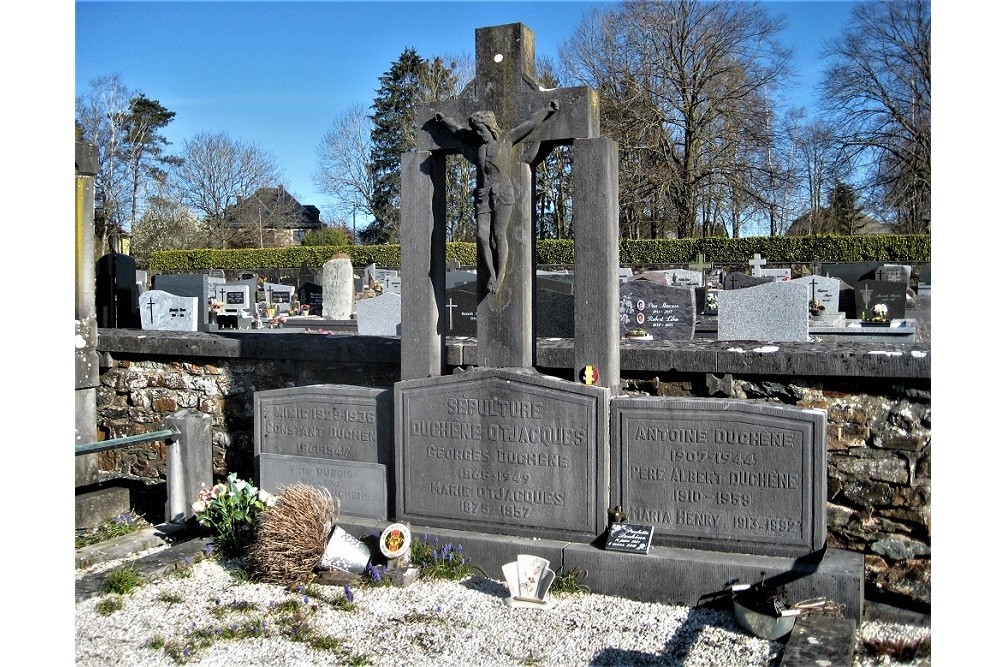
{"x": 504, "y": 123}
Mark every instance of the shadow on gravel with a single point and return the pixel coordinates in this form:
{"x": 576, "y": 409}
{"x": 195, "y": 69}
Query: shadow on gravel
{"x": 486, "y": 585}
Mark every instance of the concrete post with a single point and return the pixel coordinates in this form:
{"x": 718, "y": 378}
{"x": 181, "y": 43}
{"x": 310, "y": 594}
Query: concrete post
{"x": 189, "y": 462}
{"x": 87, "y": 372}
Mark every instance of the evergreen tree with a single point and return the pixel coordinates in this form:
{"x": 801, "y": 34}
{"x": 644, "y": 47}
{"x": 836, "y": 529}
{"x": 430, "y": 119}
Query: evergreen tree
{"x": 143, "y": 146}
{"x": 392, "y": 134}
{"x": 844, "y": 210}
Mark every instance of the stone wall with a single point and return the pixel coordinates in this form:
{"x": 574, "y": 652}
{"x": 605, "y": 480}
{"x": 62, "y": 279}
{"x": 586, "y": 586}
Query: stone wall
{"x": 878, "y": 428}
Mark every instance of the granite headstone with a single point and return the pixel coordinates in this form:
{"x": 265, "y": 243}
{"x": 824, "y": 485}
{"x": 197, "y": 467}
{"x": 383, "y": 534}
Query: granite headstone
{"x": 664, "y": 311}
{"x": 774, "y": 312}
{"x": 379, "y": 315}
{"x": 163, "y": 311}
{"x": 737, "y": 280}
{"x": 868, "y": 293}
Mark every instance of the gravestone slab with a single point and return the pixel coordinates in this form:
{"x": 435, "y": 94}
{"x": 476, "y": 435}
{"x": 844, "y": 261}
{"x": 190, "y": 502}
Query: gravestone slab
{"x": 329, "y": 422}
{"x": 825, "y": 291}
{"x": 736, "y": 280}
{"x": 279, "y": 296}
{"x": 624, "y": 273}
{"x": 163, "y": 311}
{"x": 664, "y": 311}
{"x": 360, "y": 487}
{"x": 554, "y": 306}
{"x": 775, "y": 312}
{"x": 236, "y": 298}
{"x": 116, "y": 292}
{"x": 457, "y": 278}
{"x": 186, "y": 284}
{"x": 338, "y": 288}
{"x": 311, "y": 294}
{"x": 849, "y": 272}
{"x": 721, "y": 474}
{"x": 460, "y": 310}
{"x": 868, "y": 293}
{"x": 505, "y": 451}
{"x": 896, "y": 273}
{"x": 379, "y": 315}
{"x": 776, "y": 274}
{"x": 675, "y": 277}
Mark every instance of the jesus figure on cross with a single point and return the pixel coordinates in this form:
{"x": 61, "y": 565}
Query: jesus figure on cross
{"x": 492, "y": 151}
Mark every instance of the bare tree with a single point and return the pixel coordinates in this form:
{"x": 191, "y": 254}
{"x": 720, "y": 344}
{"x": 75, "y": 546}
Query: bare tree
{"x": 687, "y": 84}
{"x": 878, "y": 90}
{"x": 101, "y": 118}
{"x": 344, "y": 163}
{"x": 219, "y": 172}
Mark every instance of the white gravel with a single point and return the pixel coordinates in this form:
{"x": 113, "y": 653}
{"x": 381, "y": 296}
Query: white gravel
{"x": 427, "y": 623}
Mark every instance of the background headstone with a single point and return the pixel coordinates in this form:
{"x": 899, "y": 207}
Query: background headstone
{"x": 117, "y": 295}
{"x": 776, "y": 311}
{"x": 867, "y": 293}
{"x": 897, "y": 273}
{"x": 721, "y": 474}
{"x": 825, "y": 291}
{"x": 554, "y": 305}
{"x": 460, "y": 303}
{"x": 163, "y": 311}
{"x": 236, "y": 298}
{"x": 338, "y": 288}
{"x": 675, "y": 277}
{"x": 664, "y": 311}
{"x": 198, "y": 285}
{"x": 279, "y": 295}
{"x": 849, "y": 272}
{"x": 311, "y": 294}
{"x": 737, "y": 280}
{"x": 379, "y": 315}
{"x": 776, "y": 274}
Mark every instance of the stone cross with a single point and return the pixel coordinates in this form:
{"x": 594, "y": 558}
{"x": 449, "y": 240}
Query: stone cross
{"x": 503, "y": 99}
{"x": 757, "y": 262}
{"x": 700, "y": 264}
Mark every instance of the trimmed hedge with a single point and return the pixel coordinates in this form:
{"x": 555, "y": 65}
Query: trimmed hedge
{"x": 776, "y": 249}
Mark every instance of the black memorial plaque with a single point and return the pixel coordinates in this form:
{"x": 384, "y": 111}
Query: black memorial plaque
{"x": 663, "y": 311}
{"x": 503, "y": 451}
{"x": 630, "y": 538}
{"x": 721, "y": 474}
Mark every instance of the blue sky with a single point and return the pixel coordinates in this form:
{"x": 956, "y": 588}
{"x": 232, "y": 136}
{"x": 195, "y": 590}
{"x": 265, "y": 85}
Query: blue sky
{"x": 278, "y": 73}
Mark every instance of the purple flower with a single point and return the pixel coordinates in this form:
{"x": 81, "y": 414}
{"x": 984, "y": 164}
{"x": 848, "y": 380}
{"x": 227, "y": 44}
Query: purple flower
{"x": 348, "y": 593}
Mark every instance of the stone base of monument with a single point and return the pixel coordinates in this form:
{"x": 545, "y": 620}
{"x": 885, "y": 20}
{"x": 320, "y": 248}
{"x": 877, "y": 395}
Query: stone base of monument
{"x": 667, "y": 575}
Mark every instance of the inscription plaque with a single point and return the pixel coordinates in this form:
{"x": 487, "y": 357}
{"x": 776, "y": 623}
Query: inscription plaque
{"x": 722, "y": 475}
{"x": 503, "y": 450}
{"x": 361, "y": 487}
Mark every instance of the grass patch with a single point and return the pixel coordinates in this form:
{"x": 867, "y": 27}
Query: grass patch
{"x": 116, "y": 526}
{"x": 109, "y": 605}
{"x": 170, "y": 598}
{"x": 569, "y": 582}
{"x": 122, "y": 580}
